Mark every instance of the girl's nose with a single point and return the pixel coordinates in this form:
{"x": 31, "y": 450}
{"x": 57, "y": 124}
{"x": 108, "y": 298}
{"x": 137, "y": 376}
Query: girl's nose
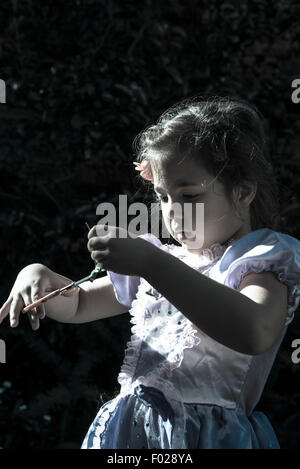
{"x": 175, "y": 211}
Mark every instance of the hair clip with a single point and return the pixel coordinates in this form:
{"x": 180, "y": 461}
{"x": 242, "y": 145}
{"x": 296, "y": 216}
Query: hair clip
{"x": 145, "y": 170}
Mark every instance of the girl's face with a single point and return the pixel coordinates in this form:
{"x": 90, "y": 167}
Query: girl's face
{"x": 185, "y": 182}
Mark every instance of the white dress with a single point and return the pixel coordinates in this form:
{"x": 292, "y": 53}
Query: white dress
{"x": 180, "y": 389}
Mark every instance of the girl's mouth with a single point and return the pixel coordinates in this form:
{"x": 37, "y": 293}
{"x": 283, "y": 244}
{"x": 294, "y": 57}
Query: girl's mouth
{"x": 185, "y": 236}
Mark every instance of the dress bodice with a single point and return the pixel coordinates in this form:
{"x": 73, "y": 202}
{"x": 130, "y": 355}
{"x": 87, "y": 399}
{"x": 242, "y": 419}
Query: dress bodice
{"x": 169, "y": 352}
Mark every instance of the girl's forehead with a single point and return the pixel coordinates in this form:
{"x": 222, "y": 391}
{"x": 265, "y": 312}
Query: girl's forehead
{"x": 179, "y": 173}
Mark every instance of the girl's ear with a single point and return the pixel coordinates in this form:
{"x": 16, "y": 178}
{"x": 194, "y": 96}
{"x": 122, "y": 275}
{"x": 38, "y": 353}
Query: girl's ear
{"x": 243, "y": 196}
{"x": 245, "y": 193}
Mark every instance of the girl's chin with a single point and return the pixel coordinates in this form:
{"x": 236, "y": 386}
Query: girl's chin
{"x": 188, "y": 242}
{"x": 185, "y": 237}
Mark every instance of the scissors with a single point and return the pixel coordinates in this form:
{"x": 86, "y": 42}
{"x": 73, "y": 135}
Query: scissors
{"x": 93, "y": 275}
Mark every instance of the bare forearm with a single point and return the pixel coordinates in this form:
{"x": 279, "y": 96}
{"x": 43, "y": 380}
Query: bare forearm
{"x": 62, "y": 308}
{"x": 221, "y": 312}
{"x": 92, "y": 301}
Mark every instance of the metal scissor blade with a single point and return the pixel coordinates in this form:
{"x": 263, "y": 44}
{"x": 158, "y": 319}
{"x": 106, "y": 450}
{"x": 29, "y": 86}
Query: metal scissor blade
{"x": 74, "y": 284}
{"x": 85, "y": 279}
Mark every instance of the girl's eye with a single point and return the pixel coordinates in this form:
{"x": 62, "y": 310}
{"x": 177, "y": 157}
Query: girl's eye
{"x": 161, "y": 198}
{"x": 191, "y": 196}
{"x": 186, "y": 196}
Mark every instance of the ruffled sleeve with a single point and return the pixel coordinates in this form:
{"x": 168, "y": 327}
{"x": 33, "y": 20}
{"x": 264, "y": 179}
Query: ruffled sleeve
{"x": 126, "y": 286}
{"x": 269, "y": 250}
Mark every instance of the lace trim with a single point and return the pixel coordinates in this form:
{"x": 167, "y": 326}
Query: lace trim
{"x": 214, "y": 252}
{"x": 189, "y": 337}
{"x": 99, "y": 425}
{"x": 160, "y": 376}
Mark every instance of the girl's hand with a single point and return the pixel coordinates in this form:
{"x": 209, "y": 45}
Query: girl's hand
{"x": 32, "y": 282}
{"x": 119, "y": 251}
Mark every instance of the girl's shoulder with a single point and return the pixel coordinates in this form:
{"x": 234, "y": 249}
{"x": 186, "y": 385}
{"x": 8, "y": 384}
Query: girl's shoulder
{"x": 261, "y": 244}
{"x": 268, "y": 235}
{"x": 263, "y": 250}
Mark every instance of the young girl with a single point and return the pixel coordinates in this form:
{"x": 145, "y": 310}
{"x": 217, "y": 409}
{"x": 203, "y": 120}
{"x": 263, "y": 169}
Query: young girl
{"x": 209, "y": 312}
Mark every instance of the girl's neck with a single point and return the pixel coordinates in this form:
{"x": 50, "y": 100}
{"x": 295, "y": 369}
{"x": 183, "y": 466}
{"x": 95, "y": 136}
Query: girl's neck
{"x": 234, "y": 237}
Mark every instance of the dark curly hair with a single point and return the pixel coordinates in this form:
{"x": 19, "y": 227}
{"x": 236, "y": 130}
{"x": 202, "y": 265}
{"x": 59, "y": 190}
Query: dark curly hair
{"x": 214, "y": 131}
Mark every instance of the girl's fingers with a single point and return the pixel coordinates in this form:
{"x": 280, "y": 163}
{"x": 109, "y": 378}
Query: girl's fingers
{"x": 98, "y": 241}
{"x": 98, "y": 230}
{"x": 92, "y": 232}
{"x": 34, "y": 319}
{"x": 102, "y": 231}
{"x": 17, "y": 305}
{"x": 15, "y": 308}
{"x": 100, "y": 256}
{"x": 40, "y": 310}
{"x": 32, "y": 314}
{"x": 4, "y": 310}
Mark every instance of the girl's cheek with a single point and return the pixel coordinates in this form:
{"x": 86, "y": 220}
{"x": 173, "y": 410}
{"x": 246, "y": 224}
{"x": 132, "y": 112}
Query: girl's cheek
{"x": 167, "y": 216}
{"x": 166, "y": 220}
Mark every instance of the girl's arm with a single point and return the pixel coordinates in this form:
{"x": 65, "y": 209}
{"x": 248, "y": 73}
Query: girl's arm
{"x": 228, "y": 316}
{"x": 97, "y": 300}
{"x": 88, "y": 302}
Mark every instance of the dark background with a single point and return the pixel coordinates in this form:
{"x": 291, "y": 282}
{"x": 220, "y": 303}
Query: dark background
{"x": 82, "y": 79}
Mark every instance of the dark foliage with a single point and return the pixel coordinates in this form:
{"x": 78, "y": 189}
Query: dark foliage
{"x": 82, "y": 79}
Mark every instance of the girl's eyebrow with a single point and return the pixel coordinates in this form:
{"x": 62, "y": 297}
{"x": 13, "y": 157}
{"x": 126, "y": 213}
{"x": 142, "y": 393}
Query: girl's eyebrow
{"x": 182, "y": 183}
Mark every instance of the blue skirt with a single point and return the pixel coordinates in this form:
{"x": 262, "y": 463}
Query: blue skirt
{"x": 144, "y": 420}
